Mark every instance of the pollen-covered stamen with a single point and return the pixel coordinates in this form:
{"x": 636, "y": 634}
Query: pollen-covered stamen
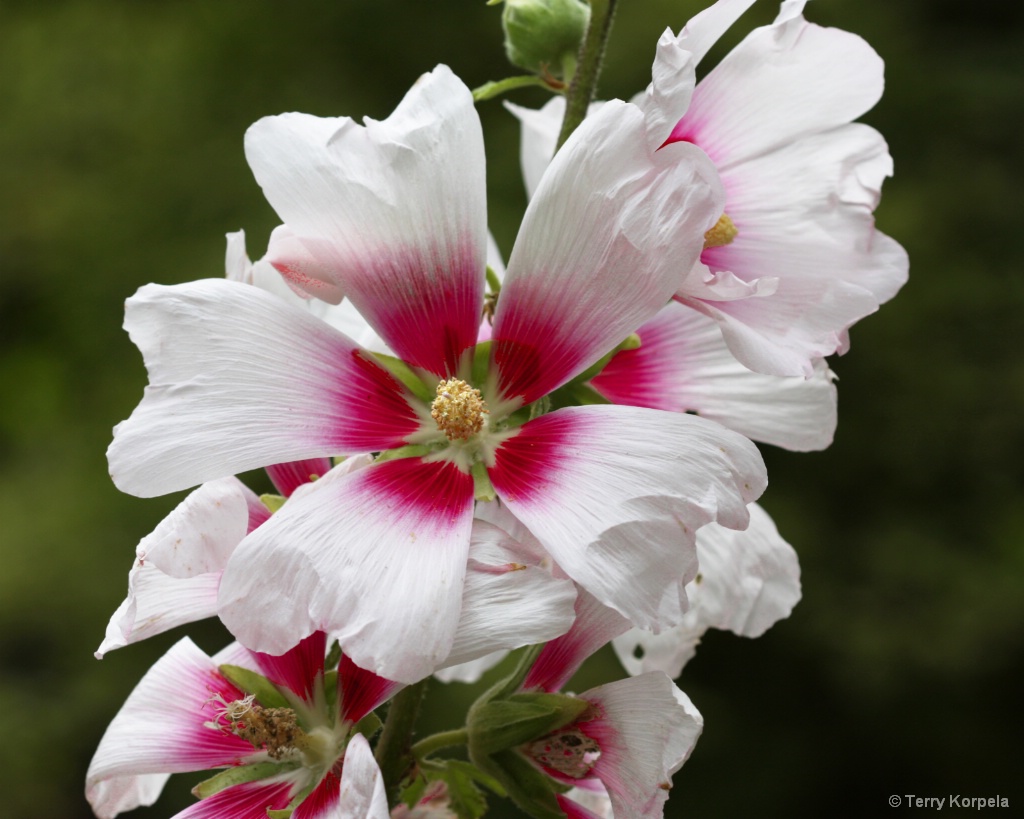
{"x": 722, "y": 233}
{"x": 275, "y": 729}
{"x": 458, "y": 409}
{"x": 568, "y": 751}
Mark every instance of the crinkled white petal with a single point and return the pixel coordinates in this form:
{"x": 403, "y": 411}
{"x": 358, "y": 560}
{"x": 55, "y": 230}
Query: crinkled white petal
{"x": 239, "y": 380}
{"x": 376, "y": 558}
{"x": 508, "y": 602}
{"x": 747, "y": 582}
{"x": 615, "y": 494}
{"x": 395, "y": 210}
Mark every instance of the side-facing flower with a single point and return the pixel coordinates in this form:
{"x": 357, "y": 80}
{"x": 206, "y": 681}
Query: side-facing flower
{"x": 281, "y": 728}
{"x": 378, "y": 559}
{"x": 794, "y": 259}
{"x": 747, "y": 582}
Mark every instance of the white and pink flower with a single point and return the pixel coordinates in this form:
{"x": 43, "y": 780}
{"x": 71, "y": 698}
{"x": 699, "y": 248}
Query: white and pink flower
{"x": 795, "y": 259}
{"x": 289, "y": 743}
{"x": 393, "y": 214}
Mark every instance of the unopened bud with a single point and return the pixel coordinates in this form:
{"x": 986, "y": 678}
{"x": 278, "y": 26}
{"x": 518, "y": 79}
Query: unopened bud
{"x": 543, "y": 36}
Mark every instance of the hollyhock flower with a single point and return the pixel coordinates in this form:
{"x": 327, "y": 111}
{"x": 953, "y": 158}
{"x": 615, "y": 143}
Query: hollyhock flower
{"x": 795, "y": 259}
{"x": 747, "y": 582}
{"x": 378, "y": 558}
{"x": 509, "y": 599}
{"x": 280, "y": 727}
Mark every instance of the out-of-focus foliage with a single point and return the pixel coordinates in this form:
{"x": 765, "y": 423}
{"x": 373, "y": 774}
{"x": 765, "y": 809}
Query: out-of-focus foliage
{"x": 898, "y": 673}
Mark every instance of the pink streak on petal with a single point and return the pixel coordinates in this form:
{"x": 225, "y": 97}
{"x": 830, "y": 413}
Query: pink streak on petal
{"x": 574, "y": 810}
{"x": 288, "y": 477}
{"x": 594, "y": 626}
{"x": 323, "y": 801}
{"x": 297, "y": 669}
{"x": 383, "y": 411}
{"x": 524, "y": 461}
{"x": 360, "y": 691}
{"x": 250, "y": 800}
{"x": 424, "y": 303}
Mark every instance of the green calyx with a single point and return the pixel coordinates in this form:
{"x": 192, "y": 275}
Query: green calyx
{"x": 543, "y": 36}
{"x": 242, "y": 773}
{"x": 500, "y": 725}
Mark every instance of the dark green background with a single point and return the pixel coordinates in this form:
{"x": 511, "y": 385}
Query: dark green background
{"x": 121, "y": 134}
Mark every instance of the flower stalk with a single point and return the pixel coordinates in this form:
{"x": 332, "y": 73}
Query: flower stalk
{"x": 588, "y": 68}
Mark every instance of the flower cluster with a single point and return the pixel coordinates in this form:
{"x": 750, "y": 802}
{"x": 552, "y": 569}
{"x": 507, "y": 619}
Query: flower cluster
{"x": 473, "y": 457}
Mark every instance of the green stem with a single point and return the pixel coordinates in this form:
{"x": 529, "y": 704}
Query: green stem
{"x": 588, "y": 69}
{"x": 493, "y": 89}
{"x": 393, "y": 748}
{"x": 445, "y": 739}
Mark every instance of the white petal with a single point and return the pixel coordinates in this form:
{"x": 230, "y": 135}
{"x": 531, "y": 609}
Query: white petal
{"x": 362, "y": 786}
{"x": 608, "y": 210}
{"x": 376, "y": 559}
{"x": 396, "y": 210}
{"x": 470, "y": 672}
{"x": 157, "y": 602}
{"x": 302, "y": 271}
{"x": 239, "y": 380}
{"x": 748, "y": 581}
{"x": 704, "y": 29}
{"x": 507, "y": 603}
{"x": 783, "y": 81}
{"x": 616, "y": 494}
{"x": 668, "y": 95}
{"x": 684, "y": 365}
{"x": 645, "y": 732}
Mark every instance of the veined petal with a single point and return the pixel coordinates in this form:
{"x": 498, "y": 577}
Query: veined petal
{"x": 302, "y": 271}
{"x": 362, "y": 786}
{"x": 360, "y": 691}
{"x": 507, "y": 602}
{"x": 594, "y": 626}
{"x": 684, "y": 365}
{"x": 249, "y": 800}
{"x": 240, "y": 380}
{"x": 574, "y": 810}
{"x": 396, "y": 210}
{"x": 748, "y": 581}
{"x": 645, "y": 733}
{"x": 804, "y": 210}
{"x": 375, "y": 558}
{"x": 607, "y": 211}
{"x": 160, "y": 730}
{"x": 704, "y": 29}
{"x": 322, "y": 802}
{"x": 297, "y": 668}
{"x": 200, "y": 534}
{"x": 156, "y": 603}
{"x": 672, "y": 81}
{"x": 288, "y": 477}
{"x": 783, "y": 81}
{"x": 616, "y": 494}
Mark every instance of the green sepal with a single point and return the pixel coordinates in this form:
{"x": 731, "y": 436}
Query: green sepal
{"x": 369, "y": 725}
{"x": 333, "y": 656}
{"x": 331, "y": 692}
{"x": 502, "y": 724}
{"x": 409, "y": 451}
{"x": 252, "y": 683}
{"x": 473, "y": 771}
{"x": 527, "y": 785}
{"x": 413, "y": 792}
{"x": 237, "y": 775}
{"x": 283, "y": 813}
{"x": 481, "y": 362}
{"x": 400, "y": 370}
{"x": 272, "y": 502}
{"x": 493, "y": 282}
{"x": 483, "y": 489}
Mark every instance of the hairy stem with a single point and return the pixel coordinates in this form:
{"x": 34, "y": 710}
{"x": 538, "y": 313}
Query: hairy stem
{"x": 588, "y": 69}
{"x": 393, "y": 749}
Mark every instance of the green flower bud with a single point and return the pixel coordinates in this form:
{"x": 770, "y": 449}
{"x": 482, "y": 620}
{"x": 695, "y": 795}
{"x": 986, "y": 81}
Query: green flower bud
{"x": 543, "y": 36}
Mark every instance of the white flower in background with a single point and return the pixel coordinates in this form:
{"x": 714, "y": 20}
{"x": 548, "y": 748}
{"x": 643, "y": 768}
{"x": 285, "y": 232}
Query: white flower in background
{"x": 795, "y": 258}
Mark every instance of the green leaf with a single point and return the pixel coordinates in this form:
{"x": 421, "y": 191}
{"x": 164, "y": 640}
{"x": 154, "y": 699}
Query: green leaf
{"x": 464, "y": 797}
{"x": 473, "y": 771}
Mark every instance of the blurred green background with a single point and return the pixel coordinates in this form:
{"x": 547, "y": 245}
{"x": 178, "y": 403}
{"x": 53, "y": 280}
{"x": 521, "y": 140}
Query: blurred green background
{"x": 899, "y": 672}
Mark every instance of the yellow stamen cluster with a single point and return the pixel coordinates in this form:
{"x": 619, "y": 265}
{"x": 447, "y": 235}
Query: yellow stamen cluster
{"x": 722, "y": 233}
{"x": 458, "y": 410}
{"x": 276, "y": 729}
